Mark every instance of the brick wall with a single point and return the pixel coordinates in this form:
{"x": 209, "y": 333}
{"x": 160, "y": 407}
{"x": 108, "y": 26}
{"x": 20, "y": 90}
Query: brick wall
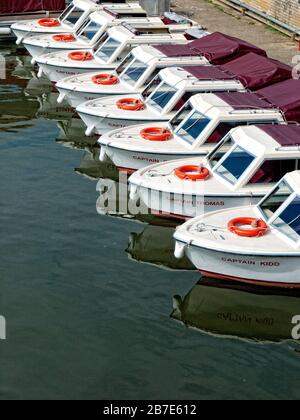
{"x": 287, "y": 11}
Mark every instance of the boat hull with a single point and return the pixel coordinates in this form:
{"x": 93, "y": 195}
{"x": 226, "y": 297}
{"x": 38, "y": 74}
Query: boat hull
{"x": 275, "y": 271}
{"x": 76, "y": 97}
{"x": 188, "y": 206}
{"x": 38, "y": 50}
{"x": 57, "y": 73}
{"x": 102, "y": 125}
{"x": 26, "y": 28}
{"x": 135, "y": 160}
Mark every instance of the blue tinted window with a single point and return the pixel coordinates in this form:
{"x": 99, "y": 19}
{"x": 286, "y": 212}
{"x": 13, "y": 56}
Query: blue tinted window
{"x": 233, "y": 167}
{"x": 289, "y": 220}
{"x": 107, "y": 50}
{"x": 162, "y": 96}
{"x": 134, "y": 72}
{"x": 71, "y": 16}
{"x": 193, "y": 127}
{"x": 275, "y": 200}
{"x": 89, "y": 30}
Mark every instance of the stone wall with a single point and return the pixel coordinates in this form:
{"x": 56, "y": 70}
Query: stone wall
{"x": 286, "y": 11}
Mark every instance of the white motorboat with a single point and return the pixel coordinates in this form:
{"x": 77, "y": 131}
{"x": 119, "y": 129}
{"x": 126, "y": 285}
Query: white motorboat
{"x": 241, "y": 169}
{"x": 208, "y": 118}
{"x": 229, "y": 309}
{"x": 256, "y": 244}
{"x": 90, "y": 33}
{"x": 26, "y": 11}
{"x": 69, "y": 21}
{"x": 145, "y": 62}
{"x": 173, "y": 87}
{"x": 116, "y": 44}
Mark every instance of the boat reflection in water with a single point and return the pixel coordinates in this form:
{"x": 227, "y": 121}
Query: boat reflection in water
{"x": 72, "y": 134}
{"x": 155, "y": 246}
{"x": 114, "y": 198}
{"x": 92, "y": 168}
{"x": 47, "y": 97}
{"x": 229, "y": 309}
{"x": 38, "y": 87}
{"x": 23, "y": 68}
{"x": 17, "y": 110}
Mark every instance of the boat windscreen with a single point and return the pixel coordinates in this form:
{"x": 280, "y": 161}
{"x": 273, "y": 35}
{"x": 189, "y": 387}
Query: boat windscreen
{"x": 108, "y": 49}
{"x": 288, "y": 222}
{"x": 134, "y": 72}
{"x": 66, "y": 12}
{"x": 151, "y": 87}
{"x": 181, "y": 116}
{"x": 275, "y": 199}
{"x": 219, "y": 151}
{"x": 192, "y": 127}
{"x": 71, "y": 15}
{"x": 161, "y": 96}
{"x": 125, "y": 63}
{"x": 235, "y": 164}
{"x": 88, "y": 32}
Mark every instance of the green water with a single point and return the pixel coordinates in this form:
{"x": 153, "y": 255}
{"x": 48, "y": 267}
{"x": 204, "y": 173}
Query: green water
{"x": 88, "y": 297}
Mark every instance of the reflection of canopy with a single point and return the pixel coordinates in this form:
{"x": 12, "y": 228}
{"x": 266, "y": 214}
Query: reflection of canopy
{"x": 246, "y": 312}
{"x": 24, "y": 6}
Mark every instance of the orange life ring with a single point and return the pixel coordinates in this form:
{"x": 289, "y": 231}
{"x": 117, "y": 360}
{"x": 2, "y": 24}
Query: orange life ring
{"x": 156, "y": 134}
{"x": 105, "y": 79}
{"x": 259, "y": 227}
{"x": 192, "y": 173}
{"x": 64, "y": 38}
{"x": 80, "y": 56}
{"x": 48, "y": 22}
{"x": 130, "y": 104}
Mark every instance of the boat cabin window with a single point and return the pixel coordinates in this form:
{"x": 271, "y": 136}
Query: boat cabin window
{"x": 275, "y": 199}
{"x": 88, "y": 31}
{"x": 107, "y": 49}
{"x": 274, "y": 171}
{"x": 288, "y": 221}
{"x": 162, "y": 96}
{"x": 71, "y": 15}
{"x": 182, "y": 101}
{"x": 193, "y": 127}
{"x": 219, "y": 151}
{"x": 151, "y": 87}
{"x": 235, "y": 164}
{"x": 180, "y": 116}
{"x": 125, "y": 63}
{"x": 223, "y": 128}
{"x": 134, "y": 72}
{"x": 221, "y": 131}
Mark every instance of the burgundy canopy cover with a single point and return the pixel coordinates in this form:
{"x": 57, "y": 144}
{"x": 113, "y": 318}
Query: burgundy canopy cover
{"x": 285, "y": 96}
{"x": 23, "y": 6}
{"x": 218, "y": 48}
{"x": 241, "y": 100}
{"x": 252, "y": 70}
{"x": 208, "y": 73}
{"x": 255, "y": 71}
{"x": 285, "y": 135}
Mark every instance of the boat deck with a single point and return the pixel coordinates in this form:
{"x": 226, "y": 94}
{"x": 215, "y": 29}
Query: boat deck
{"x": 7, "y": 20}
